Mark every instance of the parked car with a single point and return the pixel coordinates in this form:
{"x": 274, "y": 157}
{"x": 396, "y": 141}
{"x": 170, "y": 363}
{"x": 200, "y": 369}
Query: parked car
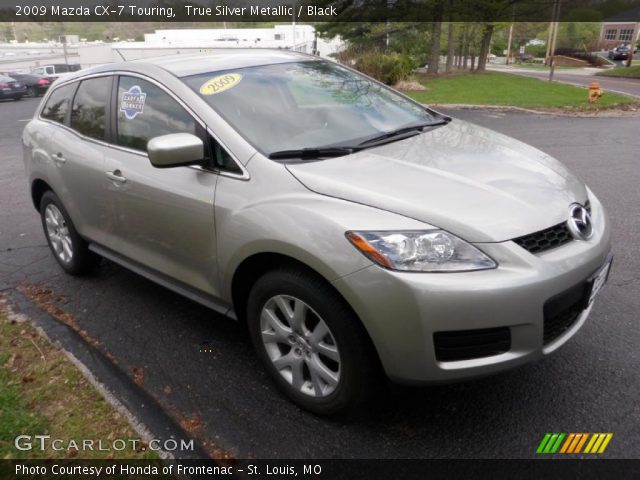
{"x": 37, "y": 85}
{"x": 54, "y": 71}
{"x": 354, "y": 231}
{"x": 11, "y": 88}
{"x": 619, "y": 53}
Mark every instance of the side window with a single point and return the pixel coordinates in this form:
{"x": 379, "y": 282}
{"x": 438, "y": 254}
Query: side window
{"x": 58, "y": 103}
{"x": 89, "y": 107}
{"x": 222, "y": 158}
{"x": 146, "y": 111}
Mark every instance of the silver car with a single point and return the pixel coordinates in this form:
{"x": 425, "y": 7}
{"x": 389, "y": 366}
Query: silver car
{"x": 357, "y": 233}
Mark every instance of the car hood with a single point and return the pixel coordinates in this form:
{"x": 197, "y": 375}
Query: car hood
{"x": 478, "y": 184}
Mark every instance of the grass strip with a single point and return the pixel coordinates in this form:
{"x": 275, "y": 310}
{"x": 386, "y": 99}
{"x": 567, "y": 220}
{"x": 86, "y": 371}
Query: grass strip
{"x": 504, "y": 89}
{"x": 43, "y": 393}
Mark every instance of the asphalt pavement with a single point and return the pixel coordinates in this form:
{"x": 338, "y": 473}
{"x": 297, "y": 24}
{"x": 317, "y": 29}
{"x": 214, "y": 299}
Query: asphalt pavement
{"x": 200, "y": 368}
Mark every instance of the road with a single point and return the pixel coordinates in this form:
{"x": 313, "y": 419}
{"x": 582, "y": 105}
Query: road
{"x": 225, "y": 400}
{"x": 629, "y": 86}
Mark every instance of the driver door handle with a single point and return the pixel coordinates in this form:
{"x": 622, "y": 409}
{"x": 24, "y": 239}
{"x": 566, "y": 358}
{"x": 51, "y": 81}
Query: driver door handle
{"x": 116, "y": 176}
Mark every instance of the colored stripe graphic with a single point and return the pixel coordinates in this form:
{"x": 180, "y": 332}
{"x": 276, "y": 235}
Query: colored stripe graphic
{"x": 556, "y": 446}
{"x": 605, "y": 443}
{"x": 576, "y": 439}
{"x": 573, "y": 443}
{"x": 582, "y": 440}
{"x": 550, "y": 443}
{"x": 567, "y": 442}
{"x": 591, "y": 443}
{"x": 544, "y": 441}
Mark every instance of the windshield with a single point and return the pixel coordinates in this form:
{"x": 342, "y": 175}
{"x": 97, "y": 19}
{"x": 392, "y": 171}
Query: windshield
{"x": 308, "y": 104}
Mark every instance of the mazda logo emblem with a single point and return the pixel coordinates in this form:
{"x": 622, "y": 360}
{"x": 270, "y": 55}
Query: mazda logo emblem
{"x": 579, "y": 222}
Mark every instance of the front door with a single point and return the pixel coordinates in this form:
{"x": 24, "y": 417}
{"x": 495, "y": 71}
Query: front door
{"x": 165, "y": 216}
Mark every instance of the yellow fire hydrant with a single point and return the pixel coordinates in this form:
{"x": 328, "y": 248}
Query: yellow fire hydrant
{"x": 595, "y": 92}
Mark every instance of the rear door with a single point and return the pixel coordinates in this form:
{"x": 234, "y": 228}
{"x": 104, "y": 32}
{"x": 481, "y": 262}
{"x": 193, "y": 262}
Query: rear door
{"x": 77, "y": 150}
{"x": 165, "y": 216}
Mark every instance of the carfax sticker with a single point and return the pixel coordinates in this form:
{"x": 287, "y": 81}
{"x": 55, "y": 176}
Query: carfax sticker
{"x": 132, "y": 102}
{"x": 220, "y": 83}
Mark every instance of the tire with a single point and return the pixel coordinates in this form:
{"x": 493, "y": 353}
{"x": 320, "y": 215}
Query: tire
{"x": 68, "y": 248}
{"x": 31, "y": 92}
{"x": 17, "y": 98}
{"x": 357, "y": 368}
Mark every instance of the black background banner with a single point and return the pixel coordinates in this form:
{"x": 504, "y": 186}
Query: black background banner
{"x": 314, "y": 10}
{"x": 552, "y": 468}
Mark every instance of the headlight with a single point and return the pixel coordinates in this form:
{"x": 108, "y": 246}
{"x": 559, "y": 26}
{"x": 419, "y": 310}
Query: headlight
{"x": 420, "y": 251}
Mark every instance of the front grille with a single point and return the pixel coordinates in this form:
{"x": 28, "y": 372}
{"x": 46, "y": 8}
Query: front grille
{"x": 561, "y": 311}
{"x": 468, "y": 344}
{"x": 546, "y": 239}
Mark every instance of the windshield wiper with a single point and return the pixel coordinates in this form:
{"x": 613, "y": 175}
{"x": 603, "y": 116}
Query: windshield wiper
{"x": 400, "y": 133}
{"x": 312, "y": 153}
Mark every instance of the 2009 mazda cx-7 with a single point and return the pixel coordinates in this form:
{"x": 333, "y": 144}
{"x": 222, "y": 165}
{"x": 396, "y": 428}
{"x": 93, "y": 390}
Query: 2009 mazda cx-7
{"x": 355, "y": 231}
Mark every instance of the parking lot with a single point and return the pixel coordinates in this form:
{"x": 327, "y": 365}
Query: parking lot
{"x": 200, "y": 368}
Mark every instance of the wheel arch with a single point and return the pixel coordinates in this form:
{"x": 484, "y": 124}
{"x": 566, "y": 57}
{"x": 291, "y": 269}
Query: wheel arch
{"x": 256, "y": 265}
{"x": 38, "y": 189}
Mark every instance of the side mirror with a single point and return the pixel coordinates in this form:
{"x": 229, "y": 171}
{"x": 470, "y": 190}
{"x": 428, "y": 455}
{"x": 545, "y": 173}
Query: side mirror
{"x": 175, "y": 150}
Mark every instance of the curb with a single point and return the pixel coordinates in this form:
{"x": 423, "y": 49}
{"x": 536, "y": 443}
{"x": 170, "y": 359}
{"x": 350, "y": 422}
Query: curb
{"x": 143, "y": 412}
{"x": 509, "y": 108}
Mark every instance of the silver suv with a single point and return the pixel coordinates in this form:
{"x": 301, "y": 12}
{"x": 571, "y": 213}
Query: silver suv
{"x": 355, "y": 232}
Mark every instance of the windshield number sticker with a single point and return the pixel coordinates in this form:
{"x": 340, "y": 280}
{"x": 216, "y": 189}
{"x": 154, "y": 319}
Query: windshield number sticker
{"x": 132, "y": 103}
{"x": 220, "y": 83}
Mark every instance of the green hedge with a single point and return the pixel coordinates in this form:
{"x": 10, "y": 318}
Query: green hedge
{"x": 388, "y": 68}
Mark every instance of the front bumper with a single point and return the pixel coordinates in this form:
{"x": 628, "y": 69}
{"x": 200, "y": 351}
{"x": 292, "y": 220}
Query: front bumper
{"x": 402, "y": 311}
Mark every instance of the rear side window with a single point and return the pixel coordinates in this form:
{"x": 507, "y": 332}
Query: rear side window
{"x": 58, "y": 103}
{"x": 89, "y": 107}
{"x": 146, "y": 111}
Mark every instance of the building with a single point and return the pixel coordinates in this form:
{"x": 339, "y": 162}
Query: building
{"x": 300, "y": 37}
{"x": 619, "y": 29}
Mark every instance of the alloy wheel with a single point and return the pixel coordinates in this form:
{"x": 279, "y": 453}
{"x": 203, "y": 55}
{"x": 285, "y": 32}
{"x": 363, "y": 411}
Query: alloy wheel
{"x": 58, "y": 233}
{"x": 300, "y": 345}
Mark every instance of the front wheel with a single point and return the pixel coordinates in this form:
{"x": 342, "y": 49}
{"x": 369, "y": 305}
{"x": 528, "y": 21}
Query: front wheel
{"x": 68, "y": 248}
{"x": 311, "y": 343}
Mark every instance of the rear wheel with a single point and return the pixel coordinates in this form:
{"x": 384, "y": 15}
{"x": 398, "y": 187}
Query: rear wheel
{"x": 311, "y": 343}
{"x": 31, "y": 92}
{"x": 69, "y": 249}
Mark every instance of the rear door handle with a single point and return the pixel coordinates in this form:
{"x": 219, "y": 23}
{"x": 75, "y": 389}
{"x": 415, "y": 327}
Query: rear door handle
{"x": 59, "y": 158}
{"x": 116, "y": 176}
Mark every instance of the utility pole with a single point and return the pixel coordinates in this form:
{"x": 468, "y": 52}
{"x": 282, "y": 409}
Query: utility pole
{"x": 556, "y": 20}
{"x": 509, "y": 44}
{"x": 293, "y": 25}
{"x": 549, "y": 37}
{"x": 510, "y": 35}
{"x": 64, "y": 48}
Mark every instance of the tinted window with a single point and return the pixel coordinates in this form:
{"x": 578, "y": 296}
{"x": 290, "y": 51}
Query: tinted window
{"x": 89, "y": 105}
{"x": 146, "y": 111}
{"x": 58, "y": 103}
{"x": 222, "y": 158}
